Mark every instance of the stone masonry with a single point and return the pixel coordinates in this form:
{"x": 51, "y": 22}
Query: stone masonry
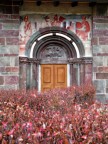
{"x": 9, "y": 50}
{"x": 100, "y": 56}
{"x": 9, "y": 44}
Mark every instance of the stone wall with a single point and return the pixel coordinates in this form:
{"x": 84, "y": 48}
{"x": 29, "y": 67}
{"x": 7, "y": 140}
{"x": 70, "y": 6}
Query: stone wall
{"x": 100, "y": 56}
{"x": 9, "y": 51}
{"x": 9, "y": 44}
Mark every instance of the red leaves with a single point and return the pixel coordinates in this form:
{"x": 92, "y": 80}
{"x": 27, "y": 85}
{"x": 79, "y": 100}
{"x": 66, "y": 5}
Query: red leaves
{"x": 61, "y": 116}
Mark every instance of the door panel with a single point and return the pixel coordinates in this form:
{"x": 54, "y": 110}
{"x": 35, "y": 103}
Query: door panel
{"x": 46, "y": 77}
{"x": 53, "y": 76}
{"x": 60, "y": 77}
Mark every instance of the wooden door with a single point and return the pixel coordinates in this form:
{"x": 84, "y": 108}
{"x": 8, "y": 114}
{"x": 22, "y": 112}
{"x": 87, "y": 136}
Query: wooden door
{"x": 53, "y": 76}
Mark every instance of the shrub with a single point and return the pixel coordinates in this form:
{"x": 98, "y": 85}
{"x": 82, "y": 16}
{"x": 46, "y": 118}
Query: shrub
{"x": 60, "y": 116}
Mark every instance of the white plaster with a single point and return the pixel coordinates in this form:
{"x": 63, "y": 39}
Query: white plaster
{"x": 46, "y": 35}
{"x": 22, "y": 55}
{"x": 88, "y": 52}
{"x": 77, "y": 50}
{"x": 32, "y": 48}
{"x": 68, "y": 75}
{"x": 87, "y": 46}
{"x": 62, "y": 35}
{"x": 39, "y": 80}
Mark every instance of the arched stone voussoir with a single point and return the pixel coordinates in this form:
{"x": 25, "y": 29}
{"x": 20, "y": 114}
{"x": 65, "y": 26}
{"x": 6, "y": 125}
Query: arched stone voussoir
{"x": 63, "y": 33}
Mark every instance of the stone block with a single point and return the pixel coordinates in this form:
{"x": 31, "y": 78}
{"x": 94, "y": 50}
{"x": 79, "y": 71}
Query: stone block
{"x": 103, "y": 41}
{"x": 101, "y": 25}
{"x": 106, "y": 97}
{"x": 97, "y": 61}
{"x": 101, "y": 98}
{"x": 10, "y": 49}
{"x": 94, "y": 41}
{"x": 4, "y": 61}
{"x": 100, "y": 86}
{"x": 100, "y": 33}
{"x": 102, "y": 54}
{"x": 2, "y": 69}
{"x": 15, "y": 16}
{"x": 11, "y": 25}
{"x": 102, "y": 69}
{"x": 11, "y": 80}
{"x": 4, "y": 16}
{"x": 2, "y": 41}
{"x": 1, "y": 80}
{"x": 105, "y": 61}
{"x": 3, "y": 49}
{"x": 104, "y": 49}
{"x": 100, "y": 50}
{"x": 12, "y": 69}
{"x": 14, "y": 61}
{"x": 14, "y": 49}
{"x": 10, "y": 55}
{"x": 12, "y": 41}
{"x": 9, "y": 33}
{"x": 0, "y": 26}
{"x": 101, "y": 75}
{"x": 8, "y": 87}
{"x": 107, "y": 83}
{"x": 8, "y": 16}
{"x": 98, "y": 19}
{"x": 10, "y": 21}
{"x": 96, "y": 49}
{"x": 106, "y": 90}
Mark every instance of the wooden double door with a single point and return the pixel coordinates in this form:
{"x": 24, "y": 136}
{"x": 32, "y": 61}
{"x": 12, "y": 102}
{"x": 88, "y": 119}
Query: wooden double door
{"x": 53, "y": 76}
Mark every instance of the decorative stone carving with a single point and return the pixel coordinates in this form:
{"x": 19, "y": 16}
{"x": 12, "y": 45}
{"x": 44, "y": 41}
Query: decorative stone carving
{"x": 28, "y": 60}
{"x": 82, "y": 60}
{"x": 53, "y": 51}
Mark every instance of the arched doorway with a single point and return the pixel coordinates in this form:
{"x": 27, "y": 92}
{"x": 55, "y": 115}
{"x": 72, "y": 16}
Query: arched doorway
{"x": 55, "y": 57}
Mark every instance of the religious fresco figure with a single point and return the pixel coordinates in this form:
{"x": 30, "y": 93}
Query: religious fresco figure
{"x": 57, "y": 20}
{"x": 26, "y": 30}
{"x": 47, "y": 20}
{"x": 83, "y": 28}
{"x": 71, "y": 26}
{"x": 53, "y": 20}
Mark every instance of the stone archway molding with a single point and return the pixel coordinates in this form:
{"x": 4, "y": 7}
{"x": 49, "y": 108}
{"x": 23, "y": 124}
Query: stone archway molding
{"x": 50, "y": 34}
{"x": 72, "y": 45}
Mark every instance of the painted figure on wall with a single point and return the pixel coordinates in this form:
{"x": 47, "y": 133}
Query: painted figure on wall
{"x": 57, "y": 20}
{"x": 47, "y": 21}
{"x": 26, "y": 30}
{"x": 54, "y": 21}
{"x": 83, "y": 28}
{"x": 71, "y": 27}
{"x": 80, "y": 25}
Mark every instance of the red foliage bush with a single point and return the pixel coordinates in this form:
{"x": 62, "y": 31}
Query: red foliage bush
{"x": 60, "y": 116}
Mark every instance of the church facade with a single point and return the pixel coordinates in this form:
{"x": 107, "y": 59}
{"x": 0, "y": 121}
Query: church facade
{"x": 54, "y": 45}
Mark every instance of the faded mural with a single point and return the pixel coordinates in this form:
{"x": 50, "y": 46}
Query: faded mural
{"x": 80, "y": 25}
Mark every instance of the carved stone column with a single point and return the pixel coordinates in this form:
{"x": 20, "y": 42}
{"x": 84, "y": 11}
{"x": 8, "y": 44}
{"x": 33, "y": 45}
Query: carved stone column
{"x": 28, "y": 72}
{"x": 88, "y": 68}
{"x": 80, "y": 70}
{"x": 22, "y": 72}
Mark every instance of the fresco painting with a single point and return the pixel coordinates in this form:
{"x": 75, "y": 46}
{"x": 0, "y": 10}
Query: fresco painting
{"x": 80, "y": 25}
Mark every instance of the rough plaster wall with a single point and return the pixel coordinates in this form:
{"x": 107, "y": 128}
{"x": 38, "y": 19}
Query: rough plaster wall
{"x": 72, "y": 22}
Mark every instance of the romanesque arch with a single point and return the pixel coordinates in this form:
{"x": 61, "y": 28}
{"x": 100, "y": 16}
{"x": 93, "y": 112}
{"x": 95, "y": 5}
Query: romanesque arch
{"x": 54, "y": 45}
